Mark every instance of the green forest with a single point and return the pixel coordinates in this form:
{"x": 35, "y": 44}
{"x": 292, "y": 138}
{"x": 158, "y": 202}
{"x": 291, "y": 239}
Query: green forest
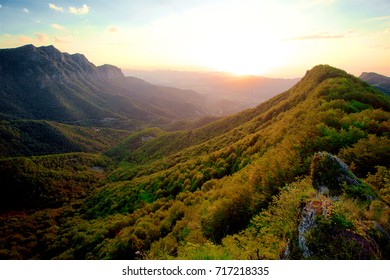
{"x": 304, "y": 175}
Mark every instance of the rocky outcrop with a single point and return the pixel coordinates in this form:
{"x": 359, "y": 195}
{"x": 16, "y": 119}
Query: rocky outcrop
{"x": 332, "y": 177}
{"x": 329, "y": 174}
{"x": 321, "y": 230}
{"x": 308, "y": 214}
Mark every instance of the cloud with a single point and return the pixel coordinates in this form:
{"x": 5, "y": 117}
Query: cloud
{"x": 317, "y": 36}
{"x": 377, "y": 18}
{"x": 26, "y": 10}
{"x": 24, "y": 39}
{"x": 58, "y": 27}
{"x": 56, "y": 8}
{"x": 60, "y": 40}
{"x": 79, "y": 11}
{"x": 42, "y": 37}
{"x": 112, "y": 29}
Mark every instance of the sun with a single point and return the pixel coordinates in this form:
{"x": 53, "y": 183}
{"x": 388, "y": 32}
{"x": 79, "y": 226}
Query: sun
{"x": 244, "y": 56}
{"x": 243, "y": 69}
{"x": 242, "y": 62}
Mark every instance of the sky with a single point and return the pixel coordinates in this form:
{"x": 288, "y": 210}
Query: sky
{"x": 279, "y": 38}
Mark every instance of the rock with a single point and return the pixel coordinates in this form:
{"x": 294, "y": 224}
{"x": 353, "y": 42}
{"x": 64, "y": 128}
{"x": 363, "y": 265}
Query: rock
{"x": 332, "y": 177}
{"x": 309, "y": 212}
{"x": 109, "y": 72}
{"x": 321, "y": 230}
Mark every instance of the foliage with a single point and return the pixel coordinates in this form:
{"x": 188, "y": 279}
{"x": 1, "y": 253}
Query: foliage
{"x": 381, "y": 182}
{"x": 49, "y": 181}
{"x": 340, "y": 235}
{"x": 229, "y": 189}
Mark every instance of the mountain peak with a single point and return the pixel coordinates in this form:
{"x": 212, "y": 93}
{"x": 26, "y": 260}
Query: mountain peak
{"x": 323, "y": 72}
{"x": 110, "y": 71}
{"x": 52, "y": 53}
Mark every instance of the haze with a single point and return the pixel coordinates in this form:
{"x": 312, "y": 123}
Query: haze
{"x": 271, "y": 38}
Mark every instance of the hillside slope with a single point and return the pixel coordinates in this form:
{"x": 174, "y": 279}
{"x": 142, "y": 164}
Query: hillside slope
{"x": 271, "y": 182}
{"x": 33, "y": 137}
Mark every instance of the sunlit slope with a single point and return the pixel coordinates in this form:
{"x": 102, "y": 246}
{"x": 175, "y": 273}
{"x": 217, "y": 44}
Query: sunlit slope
{"x": 202, "y": 189}
{"x": 321, "y": 89}
{"x": 236, "y": 188}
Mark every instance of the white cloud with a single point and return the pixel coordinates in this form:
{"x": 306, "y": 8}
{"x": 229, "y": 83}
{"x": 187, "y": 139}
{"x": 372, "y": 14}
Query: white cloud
{"x": 42, "y": 37}
{"x": 112, "y": 29}
{"x": 58, "y": 27}
{"x": 56, "y": 8}
{"x": 79, "y": 11}
{"x": 26, "y": 10}
{"x": 24, "y": 39}
{"x": 61, "y": 40}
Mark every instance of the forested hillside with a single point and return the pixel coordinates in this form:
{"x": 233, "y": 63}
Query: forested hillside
{"x": 302, "y": 175}
{"x": 33, "y": 137}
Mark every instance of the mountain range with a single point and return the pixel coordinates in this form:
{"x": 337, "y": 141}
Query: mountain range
{"x": 303, "y": 175}
{"x": 226, "y": 92}
{"x": 43, "y": 83}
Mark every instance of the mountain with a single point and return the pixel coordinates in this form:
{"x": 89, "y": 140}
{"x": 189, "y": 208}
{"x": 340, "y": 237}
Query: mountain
{"x": 304, "y": 175}
{"x": 46, "y": 84}
{"x": 379, "y": 81}
{"x": 226, "y": 93}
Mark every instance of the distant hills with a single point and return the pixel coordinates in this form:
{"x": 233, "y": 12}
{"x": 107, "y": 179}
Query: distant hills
{"x": 227, "y": 93}
{"x": 303, "y": 175}
{"x": 379, "y": 81}
{"x": 44, "y": 83}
